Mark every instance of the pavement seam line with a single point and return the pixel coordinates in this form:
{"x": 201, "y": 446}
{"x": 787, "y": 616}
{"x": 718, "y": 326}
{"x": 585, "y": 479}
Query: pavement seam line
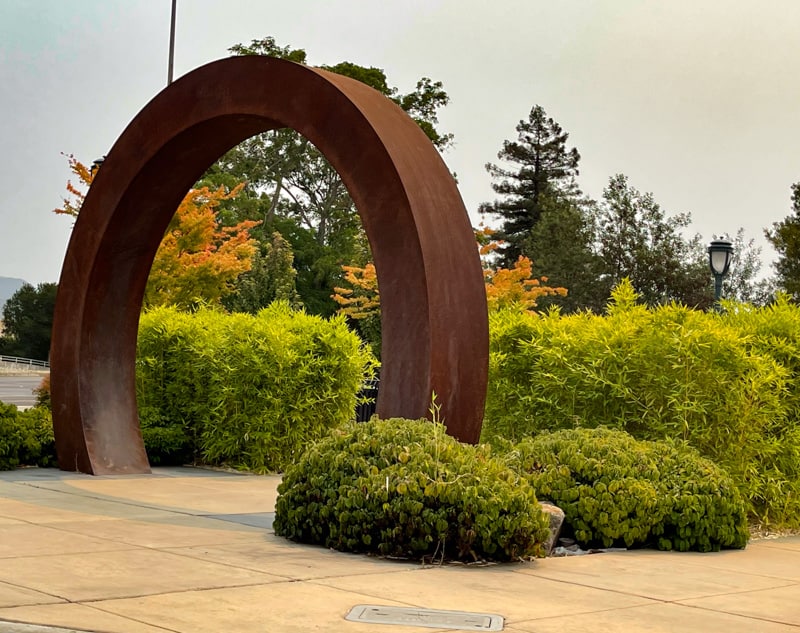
{"x": 243, "y": 568}
{"x": 639, "y": 595}
{"x": 571, "y": 614}
{"x": 740, "y": 615}
{"x": 90, "y": 601}
{"x": 110, "y": 499}
{"x": 46, "y": 593}
{"x": 125, "y": 617}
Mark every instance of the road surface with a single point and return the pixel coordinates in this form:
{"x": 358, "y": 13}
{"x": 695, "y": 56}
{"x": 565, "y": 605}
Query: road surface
{"x": 18, "y": 390}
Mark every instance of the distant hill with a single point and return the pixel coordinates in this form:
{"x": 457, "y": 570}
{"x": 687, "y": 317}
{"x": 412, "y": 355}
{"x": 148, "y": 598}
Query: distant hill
{"x": 8, "y": 286}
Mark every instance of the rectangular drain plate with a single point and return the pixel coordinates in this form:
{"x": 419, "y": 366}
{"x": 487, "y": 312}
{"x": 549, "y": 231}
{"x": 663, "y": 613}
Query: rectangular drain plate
{"x": 433, "y": 618}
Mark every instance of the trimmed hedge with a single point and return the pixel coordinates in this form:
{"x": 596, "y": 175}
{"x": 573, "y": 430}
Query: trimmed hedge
{"x": 248, "y": 391}
{"x": 26, "y": 437}
{"x": 672, "y": 372}
{"x": 615, "y": 490}
{"x": 405, "y": 488}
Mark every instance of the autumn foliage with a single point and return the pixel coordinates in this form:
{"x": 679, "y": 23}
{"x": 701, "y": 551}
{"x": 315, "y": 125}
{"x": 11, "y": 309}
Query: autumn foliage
{"x": 361, "y": 302}
{"x": 362, "y": 299}
{"x": 511, "y": 287}
{"x": 198, "y": 260}
{"x": 359, "y": 299}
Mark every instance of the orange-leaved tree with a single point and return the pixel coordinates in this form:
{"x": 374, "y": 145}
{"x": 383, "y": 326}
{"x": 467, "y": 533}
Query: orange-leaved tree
{"x": 505, "y": 288}
{"x": 361, "y": 302}
{"x": 510, "y": 287}
{"x": 198, "y": 260}
{"x": 516, "y": 287}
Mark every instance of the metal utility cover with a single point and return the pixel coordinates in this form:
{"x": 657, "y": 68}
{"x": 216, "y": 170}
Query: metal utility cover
{"x": 433, "y": 618}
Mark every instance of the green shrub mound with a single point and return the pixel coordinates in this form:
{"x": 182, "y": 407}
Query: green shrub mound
{"x": 616, "y": 490}
{"x": 404, "y": 488}
{"x": 243, "y": 390}
{"x": 26, "y": 437}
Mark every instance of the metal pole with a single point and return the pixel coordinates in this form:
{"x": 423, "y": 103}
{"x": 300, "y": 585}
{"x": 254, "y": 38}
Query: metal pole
{"x": 171, "y": 43}
{"x": 717, "y": 291}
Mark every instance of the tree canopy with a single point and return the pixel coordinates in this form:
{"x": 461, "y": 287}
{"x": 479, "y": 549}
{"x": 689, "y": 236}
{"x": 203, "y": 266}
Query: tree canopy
{"x": 292, "y": 189}
{"x": 638, "y": 240}
{"x": 198, "y": 260}
{"x": 589, "y": 246}
{"x": 28, "y": 321}
{"x": 785, "y": 237}
{"x": 542, "y": 169}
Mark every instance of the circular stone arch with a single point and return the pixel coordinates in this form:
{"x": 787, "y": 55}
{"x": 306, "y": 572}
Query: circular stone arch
{"x": 434, "y": 319}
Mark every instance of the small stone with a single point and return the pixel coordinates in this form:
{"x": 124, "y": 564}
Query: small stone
{"x": 556, "y": 515}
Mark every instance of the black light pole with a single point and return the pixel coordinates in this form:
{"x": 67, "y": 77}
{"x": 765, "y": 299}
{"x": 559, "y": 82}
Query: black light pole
{"x": 720, "y": 254}
{"x": 171, "y": 43}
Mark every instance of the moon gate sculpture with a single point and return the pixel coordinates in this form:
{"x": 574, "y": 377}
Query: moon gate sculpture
{"x": 435, "y": 330}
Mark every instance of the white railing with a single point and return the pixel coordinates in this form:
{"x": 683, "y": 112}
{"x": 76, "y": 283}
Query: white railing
{"x": 25, "y": 361}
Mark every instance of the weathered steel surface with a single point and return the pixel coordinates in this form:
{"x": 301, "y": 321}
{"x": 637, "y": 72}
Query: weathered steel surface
{"x": 435, "y": 331}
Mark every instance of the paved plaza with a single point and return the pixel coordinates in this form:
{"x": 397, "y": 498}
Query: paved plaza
{"x": 191, "y": 551}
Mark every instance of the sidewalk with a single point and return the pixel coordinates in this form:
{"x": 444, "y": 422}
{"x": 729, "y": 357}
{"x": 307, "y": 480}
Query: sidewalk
{"x": 191, "y": 551}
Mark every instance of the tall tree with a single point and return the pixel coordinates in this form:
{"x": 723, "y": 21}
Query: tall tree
{"x": 785, "y": 238}
{"x": 562, "y": 247}
{"x": 292, "y": 188}
{"x": 28, "y": 321}
{"x": 359, "y": 300}
{"x": 541, "y": 168}
{"x": 271, "y": 278}
{"x": 743, "y": 282}
{"x": 198, "y": 259}
{"x": 639, "y": 241}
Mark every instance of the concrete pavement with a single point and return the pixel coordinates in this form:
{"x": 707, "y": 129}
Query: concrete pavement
{"x": 189, "y": 550}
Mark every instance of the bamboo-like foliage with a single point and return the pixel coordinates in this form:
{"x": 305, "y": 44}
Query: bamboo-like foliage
{"x": 248, "y": 391}
{"x": 726, "y": 384}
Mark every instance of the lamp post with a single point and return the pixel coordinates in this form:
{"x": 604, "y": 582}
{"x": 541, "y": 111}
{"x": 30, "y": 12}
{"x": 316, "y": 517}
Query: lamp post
{"x": 171, "y": 43}
{"x": 720, "y": 254}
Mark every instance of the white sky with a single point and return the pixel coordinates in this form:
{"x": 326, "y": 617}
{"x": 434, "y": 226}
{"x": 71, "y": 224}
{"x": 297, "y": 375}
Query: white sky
{"x": 697, "y": 101}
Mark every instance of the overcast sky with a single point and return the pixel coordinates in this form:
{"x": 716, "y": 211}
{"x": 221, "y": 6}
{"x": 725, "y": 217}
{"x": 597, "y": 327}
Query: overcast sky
{"x": 696, "y": 101}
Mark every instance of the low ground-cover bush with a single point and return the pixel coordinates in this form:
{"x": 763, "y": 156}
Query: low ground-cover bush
{"x": 615, "y": 490}
{"x": 405, "y": 488}
{"x": 26, "y": 437}
{"x": 249, "y": 391}
{"x": 668, "y": 372}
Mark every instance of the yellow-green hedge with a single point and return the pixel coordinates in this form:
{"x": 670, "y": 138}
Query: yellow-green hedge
{"x": 248, "y": 391}
{"x": 726, "y": 384}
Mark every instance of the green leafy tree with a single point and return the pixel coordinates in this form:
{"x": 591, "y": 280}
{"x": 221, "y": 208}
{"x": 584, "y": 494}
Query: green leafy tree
{"x": 541, "y": 169}
{"x": 28, "y": 321}
{"x": 561, "y": 245}
{"x": 291, "y": 187}
{"x": 785, "y": 238}
{"x": 638, "y": 240}
{"x": 743, "y": 282}
{"x": 271, "y": 278}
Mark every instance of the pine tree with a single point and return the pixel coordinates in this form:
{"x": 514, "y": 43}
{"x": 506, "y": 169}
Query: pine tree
{"x": 545, "y": 169}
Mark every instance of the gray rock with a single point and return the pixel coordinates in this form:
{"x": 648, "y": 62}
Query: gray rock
{"x": 556, "y": 515}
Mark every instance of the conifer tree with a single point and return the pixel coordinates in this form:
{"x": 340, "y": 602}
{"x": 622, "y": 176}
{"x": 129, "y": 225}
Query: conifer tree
{"x": 542, "y": 168}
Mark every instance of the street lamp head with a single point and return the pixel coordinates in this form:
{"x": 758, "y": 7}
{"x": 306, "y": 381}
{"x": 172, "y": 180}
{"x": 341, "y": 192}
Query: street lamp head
{"x": 96, "y": 164}
{"x": 720, "y": 254}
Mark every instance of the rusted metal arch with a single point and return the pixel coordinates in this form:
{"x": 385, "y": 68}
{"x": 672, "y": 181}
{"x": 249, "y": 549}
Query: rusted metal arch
{"x": 435, "y": 331}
